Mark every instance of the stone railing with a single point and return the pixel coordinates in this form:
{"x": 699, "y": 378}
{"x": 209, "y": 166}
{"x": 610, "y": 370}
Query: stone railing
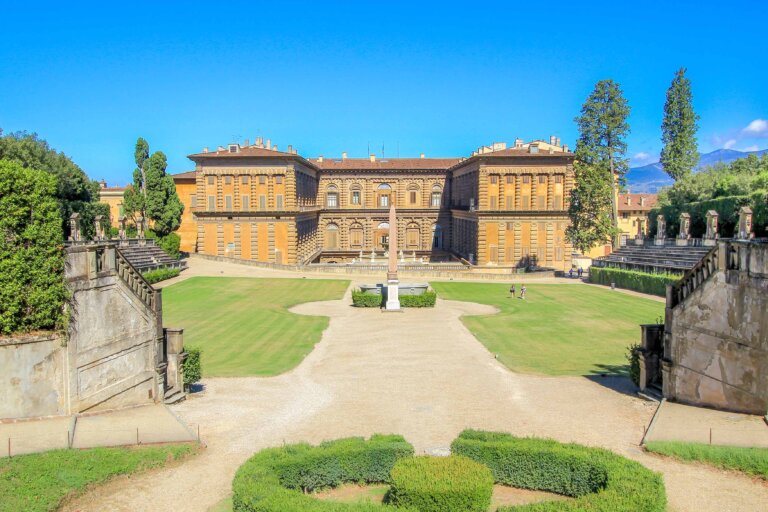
{"x": 136, "y": 282}
{"x": 693, "y": 278}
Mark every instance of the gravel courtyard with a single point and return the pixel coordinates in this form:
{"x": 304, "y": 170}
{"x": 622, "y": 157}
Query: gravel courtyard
{"x": 420, "y": 374}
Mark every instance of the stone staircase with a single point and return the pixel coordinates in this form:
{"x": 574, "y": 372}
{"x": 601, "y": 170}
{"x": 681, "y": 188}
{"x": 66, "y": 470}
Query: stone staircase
{"x": 174, "y": 395}
{"x": 651, "y": 258}
{"x": 148, "y": 256}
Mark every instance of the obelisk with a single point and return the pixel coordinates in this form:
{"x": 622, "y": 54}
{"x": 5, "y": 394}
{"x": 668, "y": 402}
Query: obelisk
{"x": 393, "y": 297}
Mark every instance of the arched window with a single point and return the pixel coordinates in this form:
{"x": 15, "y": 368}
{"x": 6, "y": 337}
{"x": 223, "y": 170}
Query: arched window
{"x": 332, "y": 197}
{"x": 355, "y": 195}
{"x": 356, "y": 236}
{"x": 384, "y": 191}
{"x": 413, "y": 195}
{"x": 332, "y": 236}
{"x": 437, "y": 194}
{"x": 412, "y": 233}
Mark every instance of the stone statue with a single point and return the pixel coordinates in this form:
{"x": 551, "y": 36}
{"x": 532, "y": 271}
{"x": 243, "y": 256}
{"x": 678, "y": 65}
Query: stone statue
{"x": 373, "y": 256}
{"x": 402, "y": 256}
{"x": 74, "y": 227}
{"x": 99, "y": 222}
{"x": 140, "y": 227}
{"x": 393, "y": 284}
{"x": 122, "y": 220}
{"x": 711, "y": 235}
{"x": 685, "y": 227}
{"x": 745, "y": 224}
{"x": 661, "y": 229}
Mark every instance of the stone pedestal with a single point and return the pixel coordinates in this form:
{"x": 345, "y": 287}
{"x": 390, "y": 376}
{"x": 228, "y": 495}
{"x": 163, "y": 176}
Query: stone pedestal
{"x": 659, "y": 241}
{"x": 681, "y": 242}
{"x": 393, "y": 295}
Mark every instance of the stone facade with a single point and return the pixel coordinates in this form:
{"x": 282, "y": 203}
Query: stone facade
{"x": 115, "y": 353}
{"x": 716, "y": 331}
{"x": 499, "y": 207}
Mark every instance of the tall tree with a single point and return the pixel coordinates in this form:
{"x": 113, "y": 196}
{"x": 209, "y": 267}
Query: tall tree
{"x": 678, "y": 129}
{"x": 153, "y": 193}
{"x": 600, "y": 164}
{"x": 75, "y": 191}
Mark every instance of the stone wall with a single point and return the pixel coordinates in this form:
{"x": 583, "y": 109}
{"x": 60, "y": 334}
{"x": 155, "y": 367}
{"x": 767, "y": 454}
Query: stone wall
{"x": 716, "y": 346}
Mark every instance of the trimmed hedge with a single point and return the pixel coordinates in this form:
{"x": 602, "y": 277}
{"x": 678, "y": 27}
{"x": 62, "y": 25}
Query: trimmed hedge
{"x": 425, "y": 300}
{"x": 160, "y": 274}
{"x": 277, "y": 479}
{"x": 191, "y": 368}
{"x": 599, "y": 479}
{"x": 367, "y": 300}
{"x": 653, "y": 284}
{"x": 752, "y": 461}
{"x": 441, "y": 484}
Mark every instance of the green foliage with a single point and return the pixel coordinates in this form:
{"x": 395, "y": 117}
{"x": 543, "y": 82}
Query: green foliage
{"x": 678, "y": 129}
{"x": 425, "y": 300}
{"x": 192, "y": 368}
{"x": 160, "y": 274}
{"x": 753, "y": 461}
{"x": 39, "y": 482}
{"x": 441, "y": 484}
{"x": 367, "y": 300}
{"x": 643, "y": 282}
{"x": 169, "y": 243}
{"x": 277, "y": 479}
{"x": 75, "y": 192}
{"x": 32, "y": 288}
{"x": 597, "y": 478}
{"x": 600, "y": 159}
{"x": 153, "y": 193}
{"x": 633, "y": 358}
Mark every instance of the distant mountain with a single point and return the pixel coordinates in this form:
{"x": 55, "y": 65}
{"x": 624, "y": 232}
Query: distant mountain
{"x": 648, "y": 179}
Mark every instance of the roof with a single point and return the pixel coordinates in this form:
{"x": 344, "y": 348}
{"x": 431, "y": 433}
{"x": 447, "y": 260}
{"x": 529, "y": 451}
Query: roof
{"x": 243, "y": 151}
{"x": 649, "y": 202}
{"x": 387, "y": 163}
{"x": 523, "y": 152}
{"x": 189, "y": 175}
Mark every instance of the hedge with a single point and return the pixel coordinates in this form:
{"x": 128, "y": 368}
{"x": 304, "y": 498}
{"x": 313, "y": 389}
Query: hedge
{"x": 441, "y": 484}
{"x": 598, "y": 479}
{"x": 372, "y": 300}
{"x": 160, "y": 274}
{"x": 191, "y": 368}
{"x": 654, "y": 284}
{"x": 277, "y": 479}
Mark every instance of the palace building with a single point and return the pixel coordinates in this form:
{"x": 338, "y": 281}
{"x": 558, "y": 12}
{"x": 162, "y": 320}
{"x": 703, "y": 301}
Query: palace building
{"x": 500, "y": 206}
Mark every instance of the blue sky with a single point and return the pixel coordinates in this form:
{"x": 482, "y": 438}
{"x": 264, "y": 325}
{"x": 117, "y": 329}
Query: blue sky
{"x": 437, "y": 78}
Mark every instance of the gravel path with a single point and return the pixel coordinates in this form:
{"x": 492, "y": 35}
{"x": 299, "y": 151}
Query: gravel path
{"x": 421, "y": 374}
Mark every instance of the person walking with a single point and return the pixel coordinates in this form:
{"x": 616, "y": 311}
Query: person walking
{"x": 581, "y": 272}
{"x": 522, "y": 292}
{"x": 512, "y": 290}
{"x": 570, "y": 273}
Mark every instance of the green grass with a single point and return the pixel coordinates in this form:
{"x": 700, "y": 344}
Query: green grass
{"x": 558, "y": 329}
{"x": 753, "y": 461}
{"x": 243, "y": 326}
{"x": 39, "y": 482}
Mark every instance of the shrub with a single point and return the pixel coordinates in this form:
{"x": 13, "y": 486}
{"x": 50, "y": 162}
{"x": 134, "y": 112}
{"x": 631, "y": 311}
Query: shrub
{"x": 160, "y": 274}
{"x": 425, "y": 300}
{"x": 170, "y": 243}
{"x": 32, "y": 287}
{"x": 633, "y": 358}
{"x": 442, "y": 484}
{"x": 597, "y": 478}
{"x": 277, "y": 479}
{"x": 367, "y": 300}
{"x": 653, "y": 284}
{"x": 753, "y": 461}
{"x": 191, "y": 367}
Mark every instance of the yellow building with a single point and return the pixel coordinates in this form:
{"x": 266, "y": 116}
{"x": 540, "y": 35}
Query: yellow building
{"x": 186, "y": 189}
{"x": 633, "y": 214}
{"x": 113, "y": 196}
{"x": 498, "y": 207}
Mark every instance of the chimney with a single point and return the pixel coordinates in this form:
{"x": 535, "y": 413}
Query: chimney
{"x": 344, "y": 155}
{"x": 642, "y": 201}
{"x": 259, "y": 142}
{"x": 274, "y": 148}
{"x": 290, "y": 148}
{"x": 421, "y": 155}
{"x": 558, "y": 142}
{"x": 552, "y": 140}
{"x": 373, "y": 157}
{"x": 246, "y": 143}
{"x": 205, "y": 149}
{"x": 269, "y": 144}
{"x": 565, "y": 148}
{"x": 320, "y": 159}
{"x": 518, "y": 143}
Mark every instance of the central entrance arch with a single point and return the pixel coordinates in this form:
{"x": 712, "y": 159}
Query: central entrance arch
{"x": 381, "y": 236}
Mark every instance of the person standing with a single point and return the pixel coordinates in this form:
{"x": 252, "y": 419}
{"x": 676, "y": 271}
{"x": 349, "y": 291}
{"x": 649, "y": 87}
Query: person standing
{"x": 570, "y": 273}
{"x": 512, "y": 290}
{"x": 522, "y": 292}
{"x": 581, "y": 272}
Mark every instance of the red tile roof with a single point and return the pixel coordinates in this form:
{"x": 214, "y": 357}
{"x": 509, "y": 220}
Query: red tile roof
{"x": 649, "y": 202}
{"x": 243, "y": 151}
{"x": 189, "y": 175}
{"x": 386, "y": 163}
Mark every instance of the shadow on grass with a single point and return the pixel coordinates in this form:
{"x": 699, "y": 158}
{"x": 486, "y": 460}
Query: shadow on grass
{"x": 614, "y": 377}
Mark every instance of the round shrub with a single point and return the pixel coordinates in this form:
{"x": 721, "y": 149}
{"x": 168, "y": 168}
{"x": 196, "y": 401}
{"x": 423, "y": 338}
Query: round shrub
{"x": 599, "y": 479}
{"x": 441, "y": 484}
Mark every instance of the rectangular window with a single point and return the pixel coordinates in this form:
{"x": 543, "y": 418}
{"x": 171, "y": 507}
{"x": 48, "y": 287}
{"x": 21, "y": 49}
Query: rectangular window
{"x": 384, "y": 200}
{"x": 542, "y": 179}
{"x": 526, "y": 178}
{"x": 494, "y": 179}
{"x": 510, "y": 203}
{"x": 332, "y": 200}
{"x": 227, "y": 180}
{"x": 211, "y": 203}
{"x": 279, "y": 202}
{"x": 493, "y": 202}
{"x": 279, "y": 179}
{"x": 355, "y": 197}
{"x": 244, "y": 179}
{"x": 262, "y": 179}
{"x": 510, "y": 226}
{"x": 525, "y": 204}
{"x": 193, "y": 201}
{"x": 510, "y": 179}
{"x": 558, "y": 203}
{"x": 228, "y": 203}
{"x": 245, "y": 203}
{"x": 210, "y": 180}
{"x": 558, "y": 179}
{"x": 435, "y": 199}
{"x": 541, "y": 202}
{"x": 262, "y": 202}
{"x": 558, "y": 254}
{"x": 356, "y": 238}
{"x": 412, "y": 197}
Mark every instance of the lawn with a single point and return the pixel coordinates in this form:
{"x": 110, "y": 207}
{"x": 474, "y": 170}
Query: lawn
{"x": 564, "y": 329}
{"x": 243, "y": 326}
{"x": 753, "y": 461}
{"x": 39, "y": 482}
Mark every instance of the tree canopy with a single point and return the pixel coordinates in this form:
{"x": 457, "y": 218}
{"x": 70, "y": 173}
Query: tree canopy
{"x": 600, "y": 163}
{"x": 678, "y": 129}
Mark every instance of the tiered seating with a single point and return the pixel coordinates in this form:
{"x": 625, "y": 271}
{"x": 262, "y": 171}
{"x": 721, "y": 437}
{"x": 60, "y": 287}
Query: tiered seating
{"x": 149, "y": 257}
{"x": 651, "y": 258}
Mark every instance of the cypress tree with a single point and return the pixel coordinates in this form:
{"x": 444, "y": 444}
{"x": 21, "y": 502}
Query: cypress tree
{"x": 678, "y": 129}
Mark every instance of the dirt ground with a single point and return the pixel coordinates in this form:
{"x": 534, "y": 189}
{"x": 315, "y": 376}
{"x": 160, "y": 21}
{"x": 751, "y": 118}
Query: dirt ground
{"x": 421, "y": 374}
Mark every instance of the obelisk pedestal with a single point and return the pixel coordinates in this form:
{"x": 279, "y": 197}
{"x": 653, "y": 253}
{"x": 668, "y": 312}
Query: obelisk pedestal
{"x": 393, "y": 284}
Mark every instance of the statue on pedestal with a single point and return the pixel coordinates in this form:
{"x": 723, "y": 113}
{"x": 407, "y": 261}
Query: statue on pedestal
{"x": 393, "y": 284}
{"x": 711, "y": 235}
{"x": 661, "y": 229}
{"x": 745, "y": 224}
